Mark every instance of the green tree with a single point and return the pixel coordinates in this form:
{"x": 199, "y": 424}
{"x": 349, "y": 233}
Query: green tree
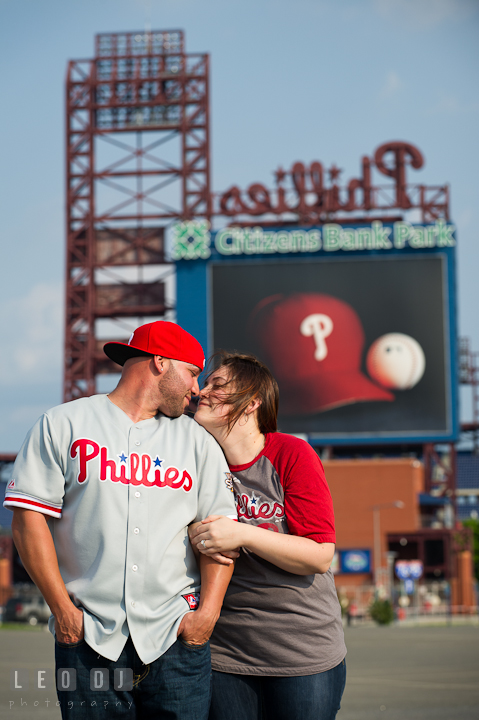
{"x": 473, "y": 523}
{"x": 382, "y": 611}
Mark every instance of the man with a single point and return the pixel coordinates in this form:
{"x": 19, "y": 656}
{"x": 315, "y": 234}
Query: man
{"x": 103, "y": 491}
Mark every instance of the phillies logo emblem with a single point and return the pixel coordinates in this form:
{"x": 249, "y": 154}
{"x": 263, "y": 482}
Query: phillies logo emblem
{"x": 320, "y": 327}
{"x": 140, "y": 468}
{"x": 193, "y": 600}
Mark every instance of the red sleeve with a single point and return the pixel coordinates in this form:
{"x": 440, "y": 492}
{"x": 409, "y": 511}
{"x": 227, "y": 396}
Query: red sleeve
{"x": 307, "y": 500}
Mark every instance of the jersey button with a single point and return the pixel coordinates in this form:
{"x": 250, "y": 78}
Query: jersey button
{"x": 132, "y": 603}
{"x": 137, "y": 442}
{"x": 137, "y": 494}
{"x": 134, "y": 568}
{"x": 136, "y": 531}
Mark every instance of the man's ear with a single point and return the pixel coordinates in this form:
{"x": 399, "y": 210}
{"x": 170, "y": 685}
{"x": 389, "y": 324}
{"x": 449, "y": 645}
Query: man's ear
{"x": 159, "y": 363}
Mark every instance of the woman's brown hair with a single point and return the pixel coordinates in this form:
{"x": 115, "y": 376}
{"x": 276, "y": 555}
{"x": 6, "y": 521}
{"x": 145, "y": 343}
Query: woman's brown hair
{"x": 249, "y": 379}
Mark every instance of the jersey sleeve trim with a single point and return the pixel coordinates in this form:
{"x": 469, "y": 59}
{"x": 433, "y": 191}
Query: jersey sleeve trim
{"x": 13, "y": 499}
{"x": 323, "y": 538}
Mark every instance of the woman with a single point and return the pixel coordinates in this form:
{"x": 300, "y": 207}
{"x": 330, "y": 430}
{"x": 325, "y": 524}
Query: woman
{"x": 278, "y": 648}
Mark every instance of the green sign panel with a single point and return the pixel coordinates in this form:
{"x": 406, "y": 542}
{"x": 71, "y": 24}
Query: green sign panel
{"x": 193, "y": 240}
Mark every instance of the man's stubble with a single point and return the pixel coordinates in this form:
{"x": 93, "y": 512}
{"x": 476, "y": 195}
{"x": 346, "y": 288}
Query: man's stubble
{"x": 173, "y": 391}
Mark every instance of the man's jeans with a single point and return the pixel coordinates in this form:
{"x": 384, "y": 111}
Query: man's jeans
{"x": 176, "y": 686}
{"x": 259, "y": 697}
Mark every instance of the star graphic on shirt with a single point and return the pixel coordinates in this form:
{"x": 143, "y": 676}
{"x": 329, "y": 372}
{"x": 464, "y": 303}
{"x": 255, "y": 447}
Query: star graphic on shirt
{"x": 157, "y": 462}
{"x": 123, "y": 457}
{"x": 254, "y": 499}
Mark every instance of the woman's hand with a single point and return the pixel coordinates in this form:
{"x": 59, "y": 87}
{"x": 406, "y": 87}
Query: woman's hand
{"x": 223, "y": 558}
{"x": 218, "y": 534}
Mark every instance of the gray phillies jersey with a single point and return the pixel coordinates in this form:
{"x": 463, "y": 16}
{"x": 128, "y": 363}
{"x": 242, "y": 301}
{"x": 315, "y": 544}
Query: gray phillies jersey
{"x": 120, "y": 497}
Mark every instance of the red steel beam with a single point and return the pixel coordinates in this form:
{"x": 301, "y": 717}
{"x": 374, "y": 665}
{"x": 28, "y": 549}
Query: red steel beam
{"x": 136, "y": 83}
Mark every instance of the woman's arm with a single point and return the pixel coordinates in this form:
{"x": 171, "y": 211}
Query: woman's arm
{"x": 298, "y": 555}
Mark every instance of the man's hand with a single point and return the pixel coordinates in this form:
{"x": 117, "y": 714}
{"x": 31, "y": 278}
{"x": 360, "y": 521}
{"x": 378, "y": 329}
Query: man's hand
{"x": 69, "y": 626}
{"x": 196, "y": 627}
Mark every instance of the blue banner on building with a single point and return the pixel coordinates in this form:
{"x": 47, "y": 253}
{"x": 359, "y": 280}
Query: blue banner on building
{"x": 355, "y": 561}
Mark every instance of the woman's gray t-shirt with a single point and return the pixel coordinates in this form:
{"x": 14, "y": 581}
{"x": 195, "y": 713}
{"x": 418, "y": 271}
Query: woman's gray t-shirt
{"x": 274, "y": 622}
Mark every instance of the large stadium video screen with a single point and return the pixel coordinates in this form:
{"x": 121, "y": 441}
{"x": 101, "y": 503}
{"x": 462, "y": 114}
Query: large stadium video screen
{"x": 360, "y": 346}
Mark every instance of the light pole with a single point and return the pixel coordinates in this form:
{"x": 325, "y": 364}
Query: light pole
{"x": 390, "y": 558}
{"x": 377, "y": 535}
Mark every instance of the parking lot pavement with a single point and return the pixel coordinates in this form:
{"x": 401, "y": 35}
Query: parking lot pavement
{"x": 414, "y": 673}
{"x": 29, "y": 649}
{"x": 394, "y": 673}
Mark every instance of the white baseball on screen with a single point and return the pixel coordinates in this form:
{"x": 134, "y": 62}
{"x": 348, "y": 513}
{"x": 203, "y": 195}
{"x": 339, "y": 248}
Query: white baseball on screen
{"x": 396, "y": 361}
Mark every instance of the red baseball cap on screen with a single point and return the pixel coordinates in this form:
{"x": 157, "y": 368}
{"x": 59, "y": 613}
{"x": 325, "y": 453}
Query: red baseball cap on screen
{"x": 313, "y": 344}
{"x": 158, "y": 338}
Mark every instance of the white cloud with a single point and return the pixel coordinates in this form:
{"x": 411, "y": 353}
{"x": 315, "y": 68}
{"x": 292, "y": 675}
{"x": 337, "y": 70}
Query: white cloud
{"x": 450, "y": 104}
{"x": 392, "y": 86}
{"x": 32, "y": 335}
{"x": 420, "y": 14}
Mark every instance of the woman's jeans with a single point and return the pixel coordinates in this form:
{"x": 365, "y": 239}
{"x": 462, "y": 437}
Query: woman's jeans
{"x": 176, "y": 686}
{"x": 259, "y": 697}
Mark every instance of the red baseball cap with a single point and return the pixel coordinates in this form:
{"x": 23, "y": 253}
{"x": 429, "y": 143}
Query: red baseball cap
{"x": 158, "y": 338}
{"x": 313, "y": 344}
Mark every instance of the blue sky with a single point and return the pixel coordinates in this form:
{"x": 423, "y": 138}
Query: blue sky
{"x": 314, "y": 79}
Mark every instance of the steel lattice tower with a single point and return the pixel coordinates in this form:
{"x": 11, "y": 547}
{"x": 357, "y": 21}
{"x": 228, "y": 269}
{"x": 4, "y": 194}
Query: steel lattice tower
{"x": 137, "y": 155}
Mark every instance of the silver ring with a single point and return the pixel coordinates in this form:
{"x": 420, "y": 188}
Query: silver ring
{"x": 203, "y": 542}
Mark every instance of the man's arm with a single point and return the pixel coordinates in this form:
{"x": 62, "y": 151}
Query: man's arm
{"x": 34, "y": 543}
{"x": 196, "y": 627}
